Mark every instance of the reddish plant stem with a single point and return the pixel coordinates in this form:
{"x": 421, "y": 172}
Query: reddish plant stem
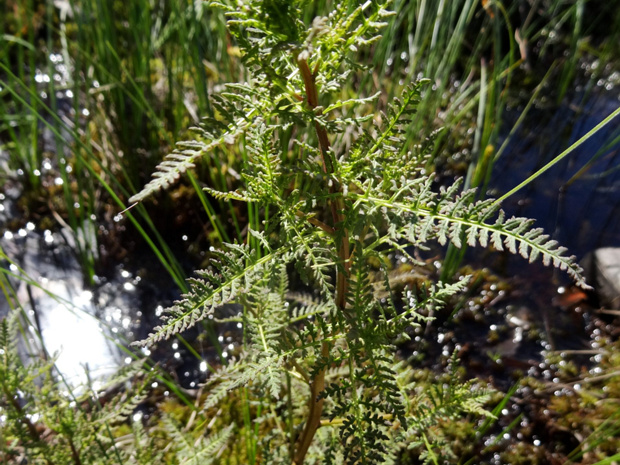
{"x": 337, "y": 203}
{"x": 74, "y": 453}
{"x": 314, "y": 415}
{"x": 341, "y": 236}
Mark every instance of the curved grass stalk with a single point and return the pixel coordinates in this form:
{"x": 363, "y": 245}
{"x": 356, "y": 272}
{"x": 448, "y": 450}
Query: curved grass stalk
{"x": 561, "y": 156}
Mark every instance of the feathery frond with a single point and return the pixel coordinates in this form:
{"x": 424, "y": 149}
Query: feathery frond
{"x": 233, "y": 273}
{"x": 201, "y": 451}
{"x": 334, "y": 208}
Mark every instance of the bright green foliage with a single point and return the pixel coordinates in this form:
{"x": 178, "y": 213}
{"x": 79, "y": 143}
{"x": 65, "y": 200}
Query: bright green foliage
{"x": 339, "y": 191}
{"x": 238, "y": 271}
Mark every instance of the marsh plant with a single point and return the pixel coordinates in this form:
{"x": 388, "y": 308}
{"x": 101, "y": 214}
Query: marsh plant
{"x": 332, "y": 193}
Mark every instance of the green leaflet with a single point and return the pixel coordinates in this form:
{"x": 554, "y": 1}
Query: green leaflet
{"x": 332, "y": 188}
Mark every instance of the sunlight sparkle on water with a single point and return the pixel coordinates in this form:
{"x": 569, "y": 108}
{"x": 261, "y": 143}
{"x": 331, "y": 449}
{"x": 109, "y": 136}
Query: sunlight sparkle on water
{"x": 40, "y": 78}
{"x": 83, "y": 299}
{"x": 87, "y": 346}
{"x": 48, "y": 237}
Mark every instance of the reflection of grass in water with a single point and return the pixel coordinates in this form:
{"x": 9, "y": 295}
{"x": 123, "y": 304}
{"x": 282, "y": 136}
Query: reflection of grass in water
{"x": 572, "y": 193}
{"x": 607, "y": 120}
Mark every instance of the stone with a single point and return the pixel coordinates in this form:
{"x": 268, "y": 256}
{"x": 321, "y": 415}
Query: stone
{"x": 602, "y": 269}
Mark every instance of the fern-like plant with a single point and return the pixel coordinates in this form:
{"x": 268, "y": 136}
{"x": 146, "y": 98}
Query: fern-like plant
{"x": 338, "y": 192}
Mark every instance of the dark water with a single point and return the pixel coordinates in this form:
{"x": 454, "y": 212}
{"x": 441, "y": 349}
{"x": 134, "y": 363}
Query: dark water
{"x": 578, "y": 207}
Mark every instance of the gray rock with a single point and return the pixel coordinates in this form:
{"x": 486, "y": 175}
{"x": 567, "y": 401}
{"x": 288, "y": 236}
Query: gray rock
{"x": 602, "y": 269}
